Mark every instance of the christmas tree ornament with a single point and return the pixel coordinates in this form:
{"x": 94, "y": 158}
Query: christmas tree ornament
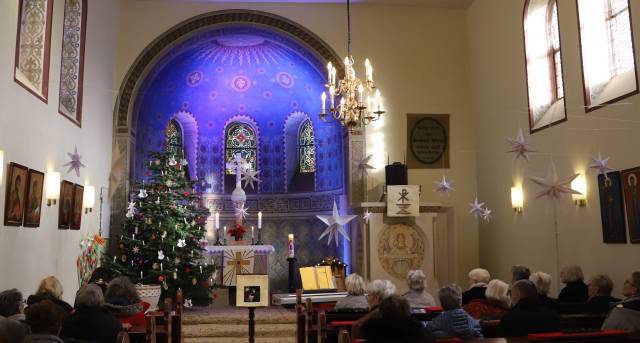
{"x": 363, "y": 166}
{"x": 194, "y": 282}
{"x": 165, "y": 286}
{"x": 476, "y": 207}
{"x": 160, "y": 255}
{"x": 157, "y": 162}
{"x": 552, "y": 185}
{"x": 143, "y": 193}
{"x": 136, "y": 249}
{"x": 149, "y": 221}
{"x": 182, "y": 243}
{"x": 121, "y": 246}
{"x": 158, "y": 201}
{"x": 520, "y": 146}
{"x": 131, "y": 209}
{"x": 164, "y": 234}
{"x": 600, "y": 164}
{"x": 161, "y": 278}
{"x": 172, "y": 161}
{"x": 184, "y": 162}
{"x": 123, "y": 258}
{"x": 175, "y": 275}
{"x": 75, "y": 163}
{"x": 335, "y": 225}
{"x": 153, "y": 237}
{"x": 444, "y": 186}
{"x": 177, "y": 260}
{"x": 155, "y": 265}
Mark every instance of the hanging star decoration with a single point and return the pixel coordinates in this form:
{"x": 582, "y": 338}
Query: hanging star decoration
{"x": 600, "y": 164}
{"x": 249, "y": 176}
{"x": 131, "y": 209}
{"x": 182, "y": 243}
{"x": 486, "y": 214}
{"x": 552, "y": 186}
{"x": 136, "y": 249}
{"x": 520, "y": 146}
{"x": 335, "y": 225}
{"x": 476, "y": 208}
{"x": 160, "y": 255}
{"x": 443, "y": 186}
{"x": 366, "y": 216}
{"x": 363, "y": 166}
{"x": 243, "y": 211}
{"x": 143, "y": 193}
{"x": 75, "y": 163}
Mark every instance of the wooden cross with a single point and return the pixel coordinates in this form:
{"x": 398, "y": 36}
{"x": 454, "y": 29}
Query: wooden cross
{"x": 238, "y": 262}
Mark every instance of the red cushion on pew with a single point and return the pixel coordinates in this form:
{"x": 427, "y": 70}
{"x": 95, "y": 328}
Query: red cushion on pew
{"x": 358, "y": 340}
{"x": 342, "y": 323}
{"x": 324, "y": 306}
{"x": 583, "y": 335}
{"x": 433, "y": 309}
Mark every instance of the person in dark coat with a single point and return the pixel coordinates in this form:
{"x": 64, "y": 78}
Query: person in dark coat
{"x": 45, "y": 320}
{"x": 91, "y": 321}
{"x": 50, "y": 289}
{"x": 394, "y": 324}
{"x": 12, "y": 307}
{"x": 478, "y": 280}
{"x": 600, "y": 299}
{"x": 377, "y": 290}
{"x": 527, "y": 315}
{"x": 575, "y": 290}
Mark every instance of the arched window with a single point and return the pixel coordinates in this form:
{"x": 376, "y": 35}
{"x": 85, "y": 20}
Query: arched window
{"x": 545, "y": 83}
{"x": 608, "y": 63}
{"x": 307, "y": 148}
{"x": 240, "y": 138}
{"x": 174, "y": 137}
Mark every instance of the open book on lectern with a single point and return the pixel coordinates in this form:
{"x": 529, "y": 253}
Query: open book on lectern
{"x": 318, "y": 278}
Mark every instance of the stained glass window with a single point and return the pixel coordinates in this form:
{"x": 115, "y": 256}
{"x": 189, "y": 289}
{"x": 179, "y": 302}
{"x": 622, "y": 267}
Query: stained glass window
{"x": 174, "y": 137}
{"x": 307, "y": 148}
{"x": 241, "y": 139}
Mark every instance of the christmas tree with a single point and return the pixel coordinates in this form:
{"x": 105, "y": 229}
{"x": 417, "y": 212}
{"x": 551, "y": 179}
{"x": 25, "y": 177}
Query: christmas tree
{"x": 164, "y": 236}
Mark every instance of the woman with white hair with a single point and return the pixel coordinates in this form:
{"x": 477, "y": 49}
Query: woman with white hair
{"x": 496, "y": 304}
{"x": 50, "y": 288}
{"x": 355, "y": 300}
{"x": 91, "y": 322}
{"x": 542, "y": 281}
{"x": 417, "y": 296}
{"x": 575, "y": 290}
{"x": 478, "y": 279}
{"x": 377, "y": 290}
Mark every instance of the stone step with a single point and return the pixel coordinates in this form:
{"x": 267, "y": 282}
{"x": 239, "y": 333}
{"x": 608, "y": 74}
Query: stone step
{"x": 238, "y": 330}
{"x": 289, "y": 339}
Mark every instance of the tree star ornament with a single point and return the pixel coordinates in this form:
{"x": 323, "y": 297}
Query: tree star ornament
{"x": 443, "y": 186}
{"x": 363, "y": 166}
{"x": 520, "y": 146}
{"x": 335, "y": 225}
{"x": 136, "y": 249}
{"x": 486, "y": 214}
{"x": 552, "y": 186}
{"x": 600, "y": 164}
{"x": 476, "y": 208}
{"x": 75, "y": 163}
{"x": 249, "y": 176}
{"x": 366, "y": 216}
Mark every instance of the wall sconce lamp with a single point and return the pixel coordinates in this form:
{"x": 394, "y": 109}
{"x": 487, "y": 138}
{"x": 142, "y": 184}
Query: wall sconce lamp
{"x": 517, "y": 199}
{"x": 579, "y": 184}
{"x": 53, "y": 187}
{"x": 89, "y": 198}
{"x": 1, "y": 165}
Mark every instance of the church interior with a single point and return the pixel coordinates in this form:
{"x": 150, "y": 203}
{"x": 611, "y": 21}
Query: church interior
{"x": 319, "y": 170}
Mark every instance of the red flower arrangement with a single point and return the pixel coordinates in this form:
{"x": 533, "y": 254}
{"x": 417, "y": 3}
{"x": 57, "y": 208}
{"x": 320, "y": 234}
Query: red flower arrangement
{"x": 185, "y": 194}
{"x": 237, "y": 231}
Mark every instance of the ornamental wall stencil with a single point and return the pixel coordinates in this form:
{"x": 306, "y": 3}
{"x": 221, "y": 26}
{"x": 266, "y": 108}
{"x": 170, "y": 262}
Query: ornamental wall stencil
{"x": 72, "y": 65}
{"x": 33, "y": 46}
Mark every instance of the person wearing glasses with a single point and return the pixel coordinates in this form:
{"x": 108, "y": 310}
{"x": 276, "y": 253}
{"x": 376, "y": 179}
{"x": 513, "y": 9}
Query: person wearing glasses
{"x": 626, "y": 315}
{"x": 12, "y": 307}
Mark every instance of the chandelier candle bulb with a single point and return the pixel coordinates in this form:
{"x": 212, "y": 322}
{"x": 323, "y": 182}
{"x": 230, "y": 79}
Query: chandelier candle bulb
{"x": 324, "y": 100}
{"x": 333, "y": 76}
{"x": 329, "y": 72}
{"x": 291, "y": 246}
{"x": 360, "y": 94}
{"x": 368, "y": 70}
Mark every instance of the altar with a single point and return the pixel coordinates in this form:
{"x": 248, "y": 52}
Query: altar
{"x": 235, "y": 260}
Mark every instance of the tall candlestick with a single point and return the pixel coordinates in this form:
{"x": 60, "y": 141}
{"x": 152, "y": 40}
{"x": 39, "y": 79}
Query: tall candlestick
{"x": 259, "y": 220}
{"x": 291, "y": 246}
{"x": 252, "y": 232}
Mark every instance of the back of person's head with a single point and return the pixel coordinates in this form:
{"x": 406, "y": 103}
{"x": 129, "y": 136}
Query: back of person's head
{"x": 519, "y": 272}
{"x": 11, "y": 331}
{"x": 571, "y": 273}
{"x": 498, "y": 290}
{"x": 542, "y": 281}
{"x": 479, "y": 275}
{"x": 354, "y": 284}
{"x": 416, "y": 280}
{"x": 602, "y": 285}
{"x": 101, "y": 275}
{"x": 522, "y": 289}
{"x": 122, "y": 288}
{"x": 450, "y": 297}
{"x": 631, "y": 286}
{"x": 380, "y": 289}
{"x": 50, "y": 286}
{"x": 45, "y": 317}
{"x": 395, "y": 308}
{"x": 89, "y": 296}
{"x": 10, "y": 302}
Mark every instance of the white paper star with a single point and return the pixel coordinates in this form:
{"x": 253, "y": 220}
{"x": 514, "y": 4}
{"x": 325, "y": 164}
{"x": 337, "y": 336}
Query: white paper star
{"x": 366, "y": 216}
{"x": 443, "y": 186}
{"x": 335, "y": 225}
{"x": 476, "y": 208}
{"x": 520, "y": 146}
{"x": 249, "y": 176}
{"x": 75, "y": 163}
{"x": 486, "y": 214}
{"x": 600, "y": 164}
{"x": 160, "y": 255}
{"x": 363, "y": 166}
{"x": 172, "y": 161}
{"x": 552, "y": 186}
{"x": 131, "y": 209}
{"x": 143, "y": 193}
{"x": 136, "y": 249}
{"x": 181, "y": 243}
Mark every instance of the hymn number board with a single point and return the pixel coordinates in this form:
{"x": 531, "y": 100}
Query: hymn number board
{"x": 428, "y": 141}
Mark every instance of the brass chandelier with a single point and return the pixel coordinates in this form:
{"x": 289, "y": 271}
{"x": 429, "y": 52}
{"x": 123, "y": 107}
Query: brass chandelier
{"x": 359, "y": 102}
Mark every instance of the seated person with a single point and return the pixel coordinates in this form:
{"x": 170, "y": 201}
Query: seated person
{"x": 394, "y": 325}
{"x": 377, "y": 290}
{"x": 575, "y": 290}
{"x": 101, "y": 276}
{"x": 12, "y": 307}
{"x": 50, "y": 289}
{"x": 478, "y": 280}
{"x": 90, "y": 321}
{"x": 10, "y": 330}
{"x": 542, "y": 281}
{"x": 519, "y": 272}
{"x": 494, "y": 306}
{"x": 417, "y": 296}
{"x": 600, "y": 299}
{"x": 454, "y": 321}
{"x": 121, "y": 299}
{"x": 355, "y": 300}
{"x": 626, "y": 315}
{"x": 527, "y": 315}
{"x": 45, "y": 320}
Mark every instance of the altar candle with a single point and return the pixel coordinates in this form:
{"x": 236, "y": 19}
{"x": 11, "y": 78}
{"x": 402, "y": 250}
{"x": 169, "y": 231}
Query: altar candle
{"x": 252, "y": 232}
{"x": 259, "y": 220}
{"x": 217, "y": 220}
{"x": 291, "y": 246}
{"x": 141, "y": 275}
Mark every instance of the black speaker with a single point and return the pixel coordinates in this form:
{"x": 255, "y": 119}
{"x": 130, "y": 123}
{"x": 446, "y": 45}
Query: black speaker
{"x": 396, "y": 174}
